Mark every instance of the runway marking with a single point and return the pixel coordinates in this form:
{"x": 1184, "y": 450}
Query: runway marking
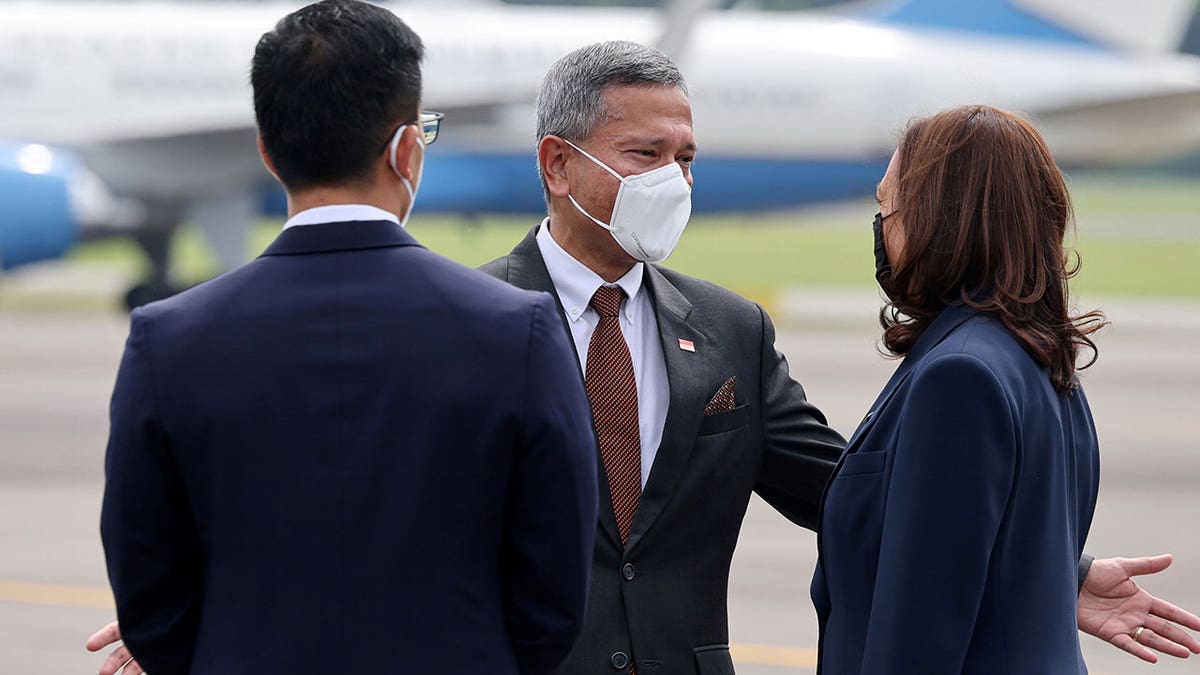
{"x": 773, "y": 655}
{"x": 55, "y": 595}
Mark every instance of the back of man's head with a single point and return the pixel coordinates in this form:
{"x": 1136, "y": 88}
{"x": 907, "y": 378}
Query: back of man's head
{"x": 331, "y": 83}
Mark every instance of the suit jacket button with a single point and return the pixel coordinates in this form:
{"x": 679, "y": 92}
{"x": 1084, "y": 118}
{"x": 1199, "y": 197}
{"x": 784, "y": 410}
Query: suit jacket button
{"x": 628, "y": 572}
{"x": 619, "y": 660}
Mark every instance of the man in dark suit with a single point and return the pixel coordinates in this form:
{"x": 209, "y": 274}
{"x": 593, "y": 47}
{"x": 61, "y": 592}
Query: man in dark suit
{"x": 710, "y": 413}
{"x": 350, "y": 437}
{"x": 699, "y": 410}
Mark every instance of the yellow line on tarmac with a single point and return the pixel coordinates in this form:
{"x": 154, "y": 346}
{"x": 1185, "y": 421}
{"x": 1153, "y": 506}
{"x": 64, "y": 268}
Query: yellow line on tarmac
{"x": 773, "y": 655}
{"x": 58, "y": 595}
{"x": 94, "y": 597}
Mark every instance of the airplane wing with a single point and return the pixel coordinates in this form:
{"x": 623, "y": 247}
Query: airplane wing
{"x": 1150, "y": 127}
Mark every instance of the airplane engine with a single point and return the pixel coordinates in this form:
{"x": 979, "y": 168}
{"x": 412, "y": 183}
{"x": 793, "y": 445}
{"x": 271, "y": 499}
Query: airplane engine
{"x": 36, "y": 218}
{"x": 48, "y": 200}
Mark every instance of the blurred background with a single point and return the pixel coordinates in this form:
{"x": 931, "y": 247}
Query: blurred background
{"x": 128, "y": 171}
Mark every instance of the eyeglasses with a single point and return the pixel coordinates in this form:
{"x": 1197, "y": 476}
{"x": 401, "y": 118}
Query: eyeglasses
{"x": 431, "y": 125}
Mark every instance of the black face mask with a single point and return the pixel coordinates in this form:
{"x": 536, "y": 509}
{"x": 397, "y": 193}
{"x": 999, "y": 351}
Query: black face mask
{"x": 883, "y": 266}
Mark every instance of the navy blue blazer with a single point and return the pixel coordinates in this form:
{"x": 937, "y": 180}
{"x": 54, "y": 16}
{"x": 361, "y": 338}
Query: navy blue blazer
{"x": 350, "y": 456}
{"x": 952, "y": 528}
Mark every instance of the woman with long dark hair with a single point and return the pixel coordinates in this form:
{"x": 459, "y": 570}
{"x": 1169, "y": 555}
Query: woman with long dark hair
{"x": 954, "y": 523}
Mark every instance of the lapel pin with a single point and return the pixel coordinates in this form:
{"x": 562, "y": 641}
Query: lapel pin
{"x": 687, "y": 345}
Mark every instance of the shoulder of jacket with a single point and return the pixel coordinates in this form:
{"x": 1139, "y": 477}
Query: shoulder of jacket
{"x": 497, "y": 268}
{"x": 700, "y": 291}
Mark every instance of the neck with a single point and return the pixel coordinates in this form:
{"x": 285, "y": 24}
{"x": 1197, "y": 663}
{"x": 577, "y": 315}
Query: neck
{"x": 590, "y": 244}
{"x": 378, "y": 196}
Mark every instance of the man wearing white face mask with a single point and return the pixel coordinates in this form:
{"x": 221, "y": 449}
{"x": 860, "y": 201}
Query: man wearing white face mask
{"x": 650, "y": 210}
{"x": 349, "y": 437}
{"x": 693, "y": 406}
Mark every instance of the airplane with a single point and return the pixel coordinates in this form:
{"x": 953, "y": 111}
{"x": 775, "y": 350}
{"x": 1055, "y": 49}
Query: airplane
{"x": 132, "y": 118}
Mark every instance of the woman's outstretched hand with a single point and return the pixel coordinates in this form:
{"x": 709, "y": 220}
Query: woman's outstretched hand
{"x": 1113, "y": 607}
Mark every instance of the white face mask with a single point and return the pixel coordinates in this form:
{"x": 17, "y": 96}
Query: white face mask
{"x": 650, "y": 211}
{"x": 408, "y": 186}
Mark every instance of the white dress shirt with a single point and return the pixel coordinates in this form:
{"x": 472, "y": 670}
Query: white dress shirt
{"x": 576, "y": 284}
{"x": 339, "y": 213}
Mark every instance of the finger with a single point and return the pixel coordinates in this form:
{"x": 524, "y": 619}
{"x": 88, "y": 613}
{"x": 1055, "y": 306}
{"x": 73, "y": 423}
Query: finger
{"x": 1170, "y": 631}
{"x": 133, "y": 668}
{"x": 1125, "y": 642}
{"x": 1155, "y": 641}
{"x": 1175, "y": 614}
{"x": 1136, "y": 567}
{"x": 116, "y": 661}
{"x": 104, "y": 637}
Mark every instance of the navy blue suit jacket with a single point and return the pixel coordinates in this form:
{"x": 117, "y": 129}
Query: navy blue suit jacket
{"x": 350, "y": 456}
{"x": 952, "y": 528}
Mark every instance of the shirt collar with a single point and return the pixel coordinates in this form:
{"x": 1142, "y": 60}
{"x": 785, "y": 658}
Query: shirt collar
{"x": 576, "y": 283}
{"x": 339, "y": 213}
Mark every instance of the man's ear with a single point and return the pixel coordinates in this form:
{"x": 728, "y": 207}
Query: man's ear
{"x": 266, "y": 159}
{"x": 404, "y": 151}
{"x": 552, "y": 157}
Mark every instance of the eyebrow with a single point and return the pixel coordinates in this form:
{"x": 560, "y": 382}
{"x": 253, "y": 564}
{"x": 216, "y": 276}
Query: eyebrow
{"x": 659, "y": 142}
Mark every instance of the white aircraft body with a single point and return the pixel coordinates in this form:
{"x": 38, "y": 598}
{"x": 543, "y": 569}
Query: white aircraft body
{"x": 141, "y": 112}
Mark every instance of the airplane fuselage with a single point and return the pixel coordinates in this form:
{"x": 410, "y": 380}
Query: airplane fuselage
{"x": 789, "y": 108}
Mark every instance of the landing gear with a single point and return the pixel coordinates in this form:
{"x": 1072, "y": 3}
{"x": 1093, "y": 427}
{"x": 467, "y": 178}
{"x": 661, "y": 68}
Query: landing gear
{"x": 144, "y": 294}
{"x": 155, "y": 242}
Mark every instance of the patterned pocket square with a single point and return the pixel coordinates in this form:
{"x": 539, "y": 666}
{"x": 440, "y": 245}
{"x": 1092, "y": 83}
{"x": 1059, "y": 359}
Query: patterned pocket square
{"x": 723, "y": 400}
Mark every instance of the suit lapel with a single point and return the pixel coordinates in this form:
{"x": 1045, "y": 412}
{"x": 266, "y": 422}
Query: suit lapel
{"x": 941, "y": 328}
{"x": 881, "y": 402}
{"x": 689, "y": 380}
{"x": 527, "y": 270}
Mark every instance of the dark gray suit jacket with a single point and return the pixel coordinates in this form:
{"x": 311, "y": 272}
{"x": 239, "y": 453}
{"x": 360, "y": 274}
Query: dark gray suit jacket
{"x": 662, "y": 599}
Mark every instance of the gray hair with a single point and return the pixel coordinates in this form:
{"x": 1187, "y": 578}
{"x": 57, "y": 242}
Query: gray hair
{"x": 571, "y": 104}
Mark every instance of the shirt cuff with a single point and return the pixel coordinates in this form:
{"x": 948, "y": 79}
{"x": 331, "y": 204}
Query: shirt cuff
{"x": 1085, "y": 566}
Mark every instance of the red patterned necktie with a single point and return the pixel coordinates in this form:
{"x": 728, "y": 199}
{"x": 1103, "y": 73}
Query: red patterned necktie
{"x": 613, "y": 394}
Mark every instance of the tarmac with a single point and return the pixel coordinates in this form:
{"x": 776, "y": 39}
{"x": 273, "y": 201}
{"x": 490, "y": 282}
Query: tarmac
{"x": 57, "y": 370}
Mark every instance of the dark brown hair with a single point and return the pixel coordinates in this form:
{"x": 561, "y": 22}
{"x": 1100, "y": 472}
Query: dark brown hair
{"x": 985, "y": 210}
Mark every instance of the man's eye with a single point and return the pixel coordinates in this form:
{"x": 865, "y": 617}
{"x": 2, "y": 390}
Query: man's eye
{"x": 686, "y": 160}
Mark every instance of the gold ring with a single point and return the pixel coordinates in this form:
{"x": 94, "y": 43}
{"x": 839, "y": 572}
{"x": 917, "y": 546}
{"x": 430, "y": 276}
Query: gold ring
{"x": 1137, "y": 634}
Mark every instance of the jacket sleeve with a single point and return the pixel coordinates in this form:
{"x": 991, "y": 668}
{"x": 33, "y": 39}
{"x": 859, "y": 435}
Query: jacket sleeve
{"x": 550, "y": 524}
{"x": 800, "y": 449}
{"x": 149, "y": 536}
{"x": 953, "y": 470}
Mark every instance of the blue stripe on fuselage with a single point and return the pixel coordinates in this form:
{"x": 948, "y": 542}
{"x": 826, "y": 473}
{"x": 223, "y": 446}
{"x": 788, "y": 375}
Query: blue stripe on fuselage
{"x": 993, "y": 17}
{"x": 479, "y": 183}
